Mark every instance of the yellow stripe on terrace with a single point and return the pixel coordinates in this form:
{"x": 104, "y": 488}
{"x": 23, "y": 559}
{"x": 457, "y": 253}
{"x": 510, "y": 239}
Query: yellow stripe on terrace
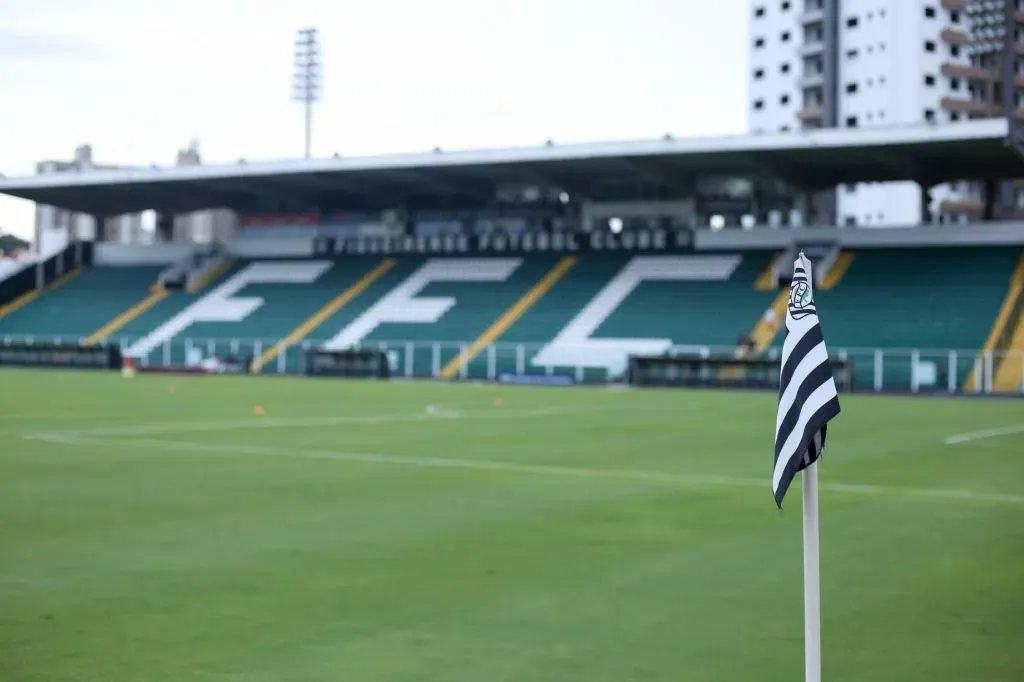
{"x": 509, "y": 317}
{"x": 836, "y": 272}
{"x": 1009, "y": 376}
{"x": 214, "y": 272}
{"x": 19, "y": 302}
{"x": 30, "y": 296}
{"x": 64, "y": 279}
{"x": 1013, "y": 293}
{"x": 157, "y": 293}
{"x": 762, "y": 334}
{"x": 320, "y": 316}
{"x": 768, "y": 326}
{"x": 766, "y": 280}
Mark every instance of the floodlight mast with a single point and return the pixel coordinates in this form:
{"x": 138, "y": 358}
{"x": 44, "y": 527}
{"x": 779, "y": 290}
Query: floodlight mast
{"x": 306, "y": 77}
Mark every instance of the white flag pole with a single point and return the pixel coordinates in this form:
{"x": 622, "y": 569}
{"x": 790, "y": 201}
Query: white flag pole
{"x": 812, "y": 577}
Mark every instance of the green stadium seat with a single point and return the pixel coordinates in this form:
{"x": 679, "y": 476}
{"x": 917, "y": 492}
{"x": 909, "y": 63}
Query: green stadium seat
{"x": 424, "y": 311}
{"x": 82, "y": 305}
{"x": 932, "y": 300}
{"x": 265, "y": 302}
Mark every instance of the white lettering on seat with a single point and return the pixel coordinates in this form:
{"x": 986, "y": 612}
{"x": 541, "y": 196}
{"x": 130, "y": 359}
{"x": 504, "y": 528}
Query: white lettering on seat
{"x": 573, "y": 347}
{"x": 221, "y": 305}
{"x": 401, "y": 305}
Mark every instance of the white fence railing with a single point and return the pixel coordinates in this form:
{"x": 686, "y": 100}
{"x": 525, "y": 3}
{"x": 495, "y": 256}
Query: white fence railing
{"x": 914, "y": 370}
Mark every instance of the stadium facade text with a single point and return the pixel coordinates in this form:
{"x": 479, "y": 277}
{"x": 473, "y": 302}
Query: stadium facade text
{"x": 641, "y": 240}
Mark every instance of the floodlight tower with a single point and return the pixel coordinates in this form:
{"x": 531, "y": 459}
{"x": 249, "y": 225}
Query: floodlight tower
{"x": 306, "y": 76}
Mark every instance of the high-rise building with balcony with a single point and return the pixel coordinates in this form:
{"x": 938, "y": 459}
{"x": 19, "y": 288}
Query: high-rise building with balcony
{"x": 863, "y": 63}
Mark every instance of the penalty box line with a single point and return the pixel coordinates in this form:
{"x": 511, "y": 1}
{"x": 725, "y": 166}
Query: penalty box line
{"x": 432, "y": 462}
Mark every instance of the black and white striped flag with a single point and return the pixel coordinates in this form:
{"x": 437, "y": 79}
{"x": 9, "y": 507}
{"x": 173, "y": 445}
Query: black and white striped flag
{"x": 807, "y": 391}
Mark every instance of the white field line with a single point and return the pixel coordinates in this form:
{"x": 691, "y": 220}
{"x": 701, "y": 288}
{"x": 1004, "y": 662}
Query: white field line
{"x": 972, "y": 436}
{"x": 252, "y": 423}
{"x": 656, "y": 477}
{"x": 43, "y": 415}
{"x": 430, "y": 413}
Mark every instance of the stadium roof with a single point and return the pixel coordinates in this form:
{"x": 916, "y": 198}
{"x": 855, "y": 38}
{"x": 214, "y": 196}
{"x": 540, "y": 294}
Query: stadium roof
{"x": 932, "y": 154}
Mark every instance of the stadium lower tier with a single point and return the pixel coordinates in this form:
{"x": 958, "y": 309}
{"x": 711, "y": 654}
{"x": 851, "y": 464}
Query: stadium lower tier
{"x": 579, "y": 314}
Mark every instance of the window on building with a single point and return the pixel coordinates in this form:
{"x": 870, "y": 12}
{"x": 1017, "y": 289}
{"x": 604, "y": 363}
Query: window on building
{"x": 851, "y": 88}
{"x": 929, "y": 114}
{"x": 850, "y": 221}
{"x": 784, "y": 67}
{"x": 954, "y": 116}
{"x": 851, "y": 121}
{"x": 784, "y": 100}
{"x": 929, "y": 46}
{"x": 954, "y": 50}
{"x": 758, "y": 104}
{"x": 758, "y": 43}
{"x": 758, "y": 74}
{"x": 954, "y": 17}
{"x": 783, "y": 129}
{"x": 785, "y": 6}
{"x": 929, "y": 12}
{"x": 785, "y": 36}
{"x": 851, "y": 22}
{"x": 851, "y": 54}
{"x": 929, "y": 80}
{"x": 954, "y": 84}
{"x": 759, "y": 12}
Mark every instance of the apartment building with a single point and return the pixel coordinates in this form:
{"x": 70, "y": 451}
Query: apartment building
{"x": 863, "y": 63}
{"x": 56, "y": 226}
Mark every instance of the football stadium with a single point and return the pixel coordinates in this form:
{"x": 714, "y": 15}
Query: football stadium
{"x": 506, "y": 415}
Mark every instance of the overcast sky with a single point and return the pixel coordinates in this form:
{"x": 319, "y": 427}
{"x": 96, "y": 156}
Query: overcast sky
{"x": 138, "y": 79}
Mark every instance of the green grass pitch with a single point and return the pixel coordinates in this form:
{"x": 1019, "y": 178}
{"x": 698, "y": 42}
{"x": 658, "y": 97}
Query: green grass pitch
{"x": 371, "y": 532}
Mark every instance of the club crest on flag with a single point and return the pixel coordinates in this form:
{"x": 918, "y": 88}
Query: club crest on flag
{"x": 800, "y": 296}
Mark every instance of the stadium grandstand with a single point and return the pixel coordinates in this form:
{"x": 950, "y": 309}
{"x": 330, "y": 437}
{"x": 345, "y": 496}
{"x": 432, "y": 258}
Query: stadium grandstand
{"x": 557, "y": 262}
{"x": 506, "y": 414}
{"x": 161, "y": 523}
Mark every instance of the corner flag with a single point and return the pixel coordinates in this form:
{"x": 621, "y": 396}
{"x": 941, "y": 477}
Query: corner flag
{"x": 807, "y": 391}
{"x": 807, "y": 401}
